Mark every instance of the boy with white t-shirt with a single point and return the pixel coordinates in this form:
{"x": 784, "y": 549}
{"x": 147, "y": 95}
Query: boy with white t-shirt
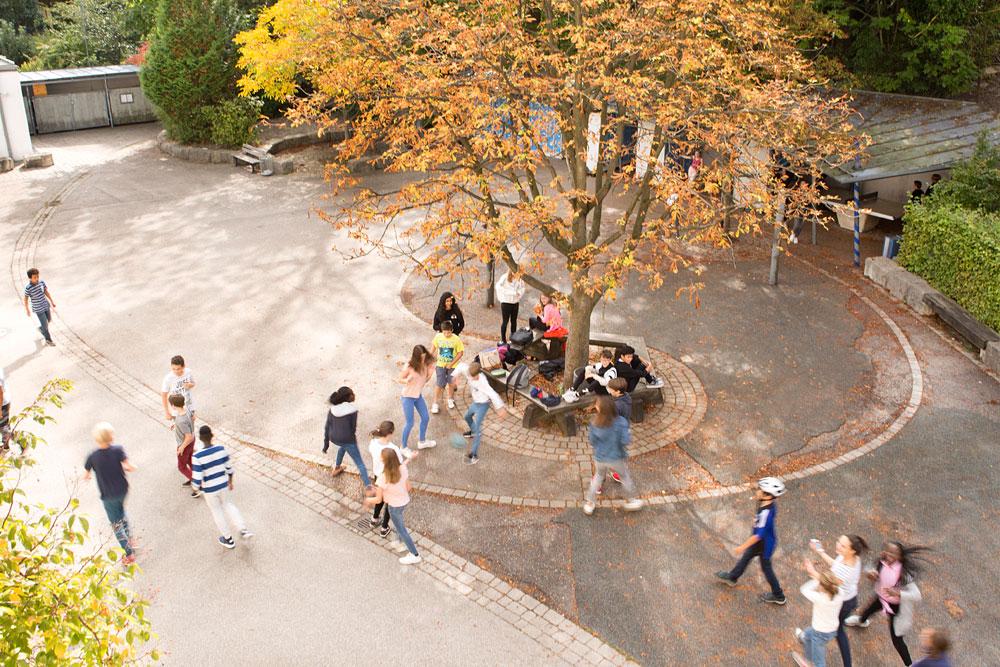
{"x": 180, "y": 380}
{"x": 482, "y": 396}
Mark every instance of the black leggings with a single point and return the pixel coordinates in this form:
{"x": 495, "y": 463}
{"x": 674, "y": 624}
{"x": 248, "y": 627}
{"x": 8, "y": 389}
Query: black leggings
{"x": 508, "y": 313}
{"x": 842, "y": 642}
{"x": 377, "y": 512}
{"x": 897, "y": 641}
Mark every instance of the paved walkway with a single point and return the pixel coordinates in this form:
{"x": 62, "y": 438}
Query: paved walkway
{"x": 805, "y": 377}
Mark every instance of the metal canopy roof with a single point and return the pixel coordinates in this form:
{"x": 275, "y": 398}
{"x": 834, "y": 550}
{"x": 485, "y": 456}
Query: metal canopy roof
{"x": 911, "y": 135}
{"x": 76, "y": 73}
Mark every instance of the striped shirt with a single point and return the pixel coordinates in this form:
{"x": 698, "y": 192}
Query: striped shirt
{"x": 211, "y": 469}
{"x": 849, "y": 576}
{"x": 36, "y": 292}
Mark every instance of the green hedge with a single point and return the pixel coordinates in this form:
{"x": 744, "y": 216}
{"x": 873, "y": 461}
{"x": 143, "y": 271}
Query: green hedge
{"x": 956, "y": 250}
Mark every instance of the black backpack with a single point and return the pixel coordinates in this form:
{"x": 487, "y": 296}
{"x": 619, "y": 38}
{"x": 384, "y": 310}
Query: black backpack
{"x": 522, "y": 337}
{"x": 550, "y": 368}
{"x": 512, "y": 357}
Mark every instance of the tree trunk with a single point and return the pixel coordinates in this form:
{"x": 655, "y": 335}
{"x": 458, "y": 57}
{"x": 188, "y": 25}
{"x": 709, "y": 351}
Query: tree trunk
{"x": 581, "y": 307}
{"x": 779, "y": 223}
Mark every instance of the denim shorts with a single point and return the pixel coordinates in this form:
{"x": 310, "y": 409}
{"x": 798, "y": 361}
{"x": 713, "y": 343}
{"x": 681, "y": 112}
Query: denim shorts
{"x": 443, "y": 376}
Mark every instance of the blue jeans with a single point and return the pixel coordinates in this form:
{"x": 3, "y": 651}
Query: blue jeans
{"x": 352, "y": 449}
{"x": 396, "y": 514}
{"x": 815, "y": 644}
{"x": 474, "y": 417}
{"x": 115, "y": 509}
{"x": 44, "y": 317}
{"x": 421, "y": 405}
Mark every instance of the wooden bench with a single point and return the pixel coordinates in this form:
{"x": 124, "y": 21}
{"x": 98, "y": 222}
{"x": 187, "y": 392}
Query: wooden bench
{"x": 255, "y": 158}
{"x": 564, "y": 414}
{"x": 960, "y": 320}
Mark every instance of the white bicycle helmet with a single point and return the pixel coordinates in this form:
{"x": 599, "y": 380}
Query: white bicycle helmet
{"x": 772, "y": 486}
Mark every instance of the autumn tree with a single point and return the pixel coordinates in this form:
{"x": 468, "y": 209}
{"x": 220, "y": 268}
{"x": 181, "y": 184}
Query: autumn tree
{"x": 487, "y": 108}
{"x": 63, "y": 601}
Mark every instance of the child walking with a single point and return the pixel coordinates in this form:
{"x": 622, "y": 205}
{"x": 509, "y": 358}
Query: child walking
{"x": 846, "y": 567}
{"x": 341, "y": 430}
{"x": 823, "y": 591}
{"x": 179, "y": 380}
{"x": 762, "y": 542}
{"x": 184, "y": 435}
{"x": 448, "y": 349}
{"x": 213, "y": 476}
{"x": 37, "y": 293}
{"x": 379, "y": 443}
{"x": 482, "y": 396}
{"x": 109, "y": 463}
{"x": 394, "y": 493}
{"x": 413, "y": 378}
{"x": 609, "y": 438}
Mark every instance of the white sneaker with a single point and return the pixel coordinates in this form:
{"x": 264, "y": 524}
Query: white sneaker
{"x": 435, "y": 409}
{"x": 801, "y": 636}
{"x": 246, "y": 534}
{"x": 410, "y": 559}
{"x": 426, "y": 444}
{"x": 451, "y": 404}
{"x": 588, "y": 508}
{"x": 656, "y": 383}
{"x": 633, "y": 505}
{"x": 571, "y": 396}
{"x": 855, "y": 621}
{"x": 408, "y": 453}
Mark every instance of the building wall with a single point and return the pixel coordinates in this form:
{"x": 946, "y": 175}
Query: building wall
{"x": 75, "y": 111}
{"x": 13, "y": 118}
{"x": 129, "y": 105}
{"x": 75, "y": 105}
{"x": 898, "y": 188}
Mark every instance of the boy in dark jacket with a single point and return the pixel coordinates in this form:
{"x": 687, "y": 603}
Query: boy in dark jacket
{"x": 618, "y": 388}
{"x": 631, "y": 367}
{"x": 341, "y": 430}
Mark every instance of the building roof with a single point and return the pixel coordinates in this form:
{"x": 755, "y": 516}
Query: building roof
{"x": 76, "y": 73}
{"x": 7, "y": 65}
{"x": 912, "y": 135}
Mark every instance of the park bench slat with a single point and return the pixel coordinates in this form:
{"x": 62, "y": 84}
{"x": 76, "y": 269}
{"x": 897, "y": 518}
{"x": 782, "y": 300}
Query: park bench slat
{"x": 960, "y": 320}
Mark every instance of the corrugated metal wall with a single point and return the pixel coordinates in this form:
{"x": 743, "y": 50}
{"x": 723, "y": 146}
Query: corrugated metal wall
{"x": 78, "y": 105}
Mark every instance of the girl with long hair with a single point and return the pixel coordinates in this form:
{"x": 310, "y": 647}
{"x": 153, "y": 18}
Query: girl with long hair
{"x": 823, "y": 590}
{"x": 846, "y": 567}
{"x": 609, "y": 438}
{"x": 341, "y": 430}
{"x": 415, "y": 375}
{"x": 448, "y": 310}
{"x": 394, "y": 492}
{"x": 380, "y": 443}
{"x": 896, "y": 593}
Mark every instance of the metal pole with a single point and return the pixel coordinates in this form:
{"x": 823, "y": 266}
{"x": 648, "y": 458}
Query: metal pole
{"x": 779, "y": 222}
{"x": 857, "y": 214}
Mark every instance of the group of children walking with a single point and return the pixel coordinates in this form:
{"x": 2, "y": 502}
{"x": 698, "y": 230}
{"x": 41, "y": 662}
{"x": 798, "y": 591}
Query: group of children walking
{"x": 832, "y": 587}
{"x": 205, "y": 465}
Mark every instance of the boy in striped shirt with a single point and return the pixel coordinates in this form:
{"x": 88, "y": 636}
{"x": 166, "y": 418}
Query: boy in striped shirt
{"x": 38, "y": 294}
{"x": 212, "y": 474}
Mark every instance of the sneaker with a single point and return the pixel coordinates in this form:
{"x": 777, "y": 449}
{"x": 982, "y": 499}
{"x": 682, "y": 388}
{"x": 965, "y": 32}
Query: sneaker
{"x": 723, "y": 576}
{"x": 374, "y": 521}
{"x": 435, "y": 409}
{"x": 227, "y": 542}
{"x": 186, "y": 482}
{"x": 600, "y": 491}
{"x": 336, "y": 471}
{"x": 772, "y": 598}
{"x": 128, "y": 559}
{"x": 656, "y": 383}
{"x": 467, "y": 434}
{"x": 471, "y": 460}
{"x": 50, "y": 343}
{"x": 246, "y": 534}
{"x": 196, "y": 493}
{"x": 408, "y": 453}
{"x": 426, "y": 444}
{"x": 410, "y": 559}
{"x": 588, "y": 508}
{"x": 633, "y": 505}
{"x": 615, "y": 476}
{"x": 451, "y": 404}
{"x": 384, "y": 531}
{"x": 854, "y": 620}
{"x": 801, "y": 636}
{"x": 571, "y": 396}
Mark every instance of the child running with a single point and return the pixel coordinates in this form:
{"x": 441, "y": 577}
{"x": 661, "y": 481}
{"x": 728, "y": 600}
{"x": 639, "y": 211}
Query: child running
{"x": 822, "y": 590}
{"x": 762, "y": 542}
{"x": 448, "y": 349}
{"x": 413, "y": 378}
{"x": 109, "y": 463}
{"x": 379, "y": 443}
{"x": 341, "y": 429}
{"x": 609, "y": 438}
{"x": 213, "y": 476}
{"x": 482, "y": 396}
{"x": 394, "y": 493}
{"x": 846, "y": 567}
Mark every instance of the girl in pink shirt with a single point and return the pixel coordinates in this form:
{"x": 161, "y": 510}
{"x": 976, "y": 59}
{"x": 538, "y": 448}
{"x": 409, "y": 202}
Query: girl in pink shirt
{"x": 413, "y": 378}
{"x": 394, "y": 490}
{"x": 549, "y": 318}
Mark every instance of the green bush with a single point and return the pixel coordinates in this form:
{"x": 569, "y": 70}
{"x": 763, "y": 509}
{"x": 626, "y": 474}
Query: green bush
{"x": 15, "y": 43}
{"x": 957, "y": 250}
{"x": 189, "y": 66}
{"x": 234, "y": 122}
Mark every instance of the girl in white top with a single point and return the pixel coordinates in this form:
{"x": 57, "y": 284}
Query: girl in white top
{"x": 380, "y": 442}
{"x": 846, "y": 567}
{"x": 395, "y": 494}
{"x": 509, "y": 294}
{"x": 824, "y": 592}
